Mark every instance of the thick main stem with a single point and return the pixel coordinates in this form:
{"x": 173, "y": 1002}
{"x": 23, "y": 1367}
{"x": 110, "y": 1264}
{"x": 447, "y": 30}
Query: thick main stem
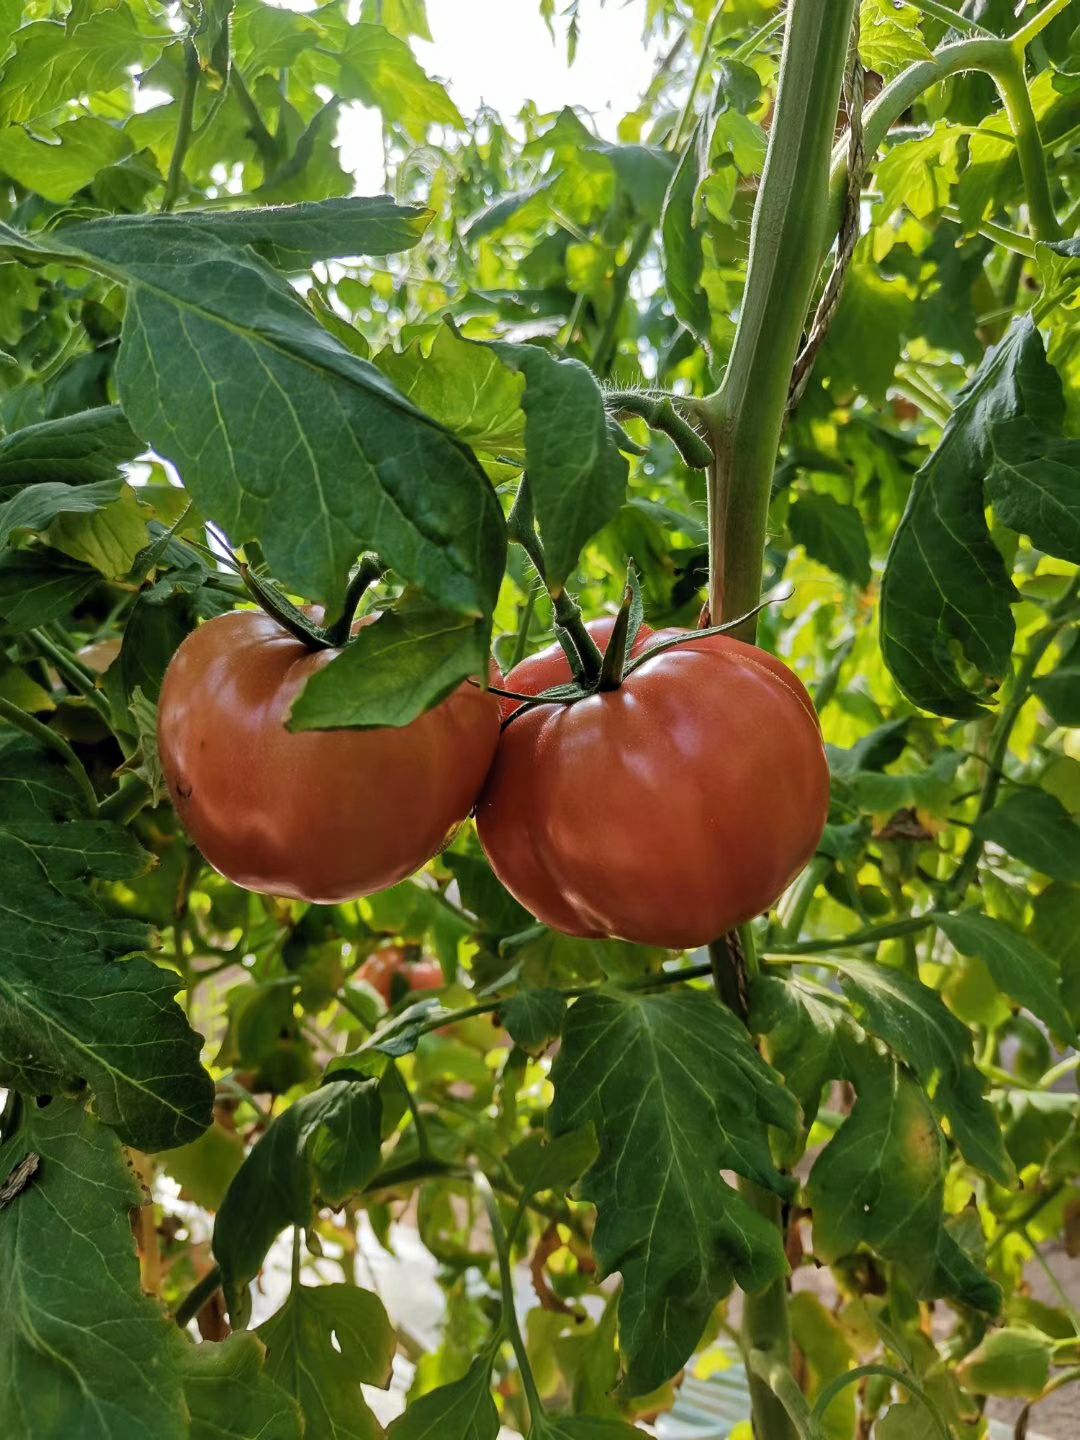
{"x": 787, "y": 239}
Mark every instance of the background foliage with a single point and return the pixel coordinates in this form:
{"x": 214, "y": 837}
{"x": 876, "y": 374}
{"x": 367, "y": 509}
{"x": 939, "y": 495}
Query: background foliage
{"x": 354, "y": 374}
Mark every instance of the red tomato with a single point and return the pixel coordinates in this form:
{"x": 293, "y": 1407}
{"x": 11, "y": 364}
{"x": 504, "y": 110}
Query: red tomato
{"x": 550, "y": 666}
{"x": 320, "y": 815}
{"x": 391, "y": 973}
{"x": 667, "y": 811}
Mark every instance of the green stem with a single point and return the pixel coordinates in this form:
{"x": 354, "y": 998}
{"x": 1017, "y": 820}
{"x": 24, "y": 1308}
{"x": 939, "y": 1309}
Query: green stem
{"x": 999, "y": 744}
{"x": 950, "y": 17}
{"x": 802, "y": 896}
{"x": 510, "y": 1320}
{"x": 659, "y": 413}
{"x": 197, "y": 1297}
{"x": 45, "y": 735}
{"x": 521, "y": 638}
{"x": 1008, "y": 75}
{"x": 264, "y": 142}
{"x": 919, "y": 391}
{"x": 1024, "y": 1219}
{"x": 873, "y": 936}
{"x": 766, "y": 1338}
{"x": 787, "y": 240}
{"x": 183, "y": 127}
{"x": 370, "y": 570}
{"x": 860, "y": 1372}
{"x": 1037, "y": 24}
{"x": 71, "y": 671}
{"x": 1000, "y": 234}
{"x": 754, "y": 41}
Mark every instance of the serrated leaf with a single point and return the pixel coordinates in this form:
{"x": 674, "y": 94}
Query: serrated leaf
{"x": 109, "y": 539}
{"x": 84, "y": 1352}
{"x": 833, "y": 534}
{"x": 463, "y": 1410}
{"x": 577, "y": 477}
{"x": 322, "y": 1345}
{"x": 945, "y": 587}
{"x": 40, "y": 585}
{"x": 913, "y": 1021}
{"x": 35, "y": 507}
{"x": 533, "y": 1017}
{"x": 379, "y": 69}
{"x": 325, "y": 1146}
{"x": 393, "y": 670}
{"x": 880, "y": 1182}
{"x": 72, "y": 1012}
{"x": 231, "y": 1397}
{"x": 919, "y": 174}
{"x": 370, "y": 473}
{"x": 53, "y": 63}
{"x": 1018, "y": 966}
{"x": 1034, "y": 826}
{"x": 889, "y": 37}
{"x": 467, "y": 388}
{"x": 75, "y": 450}
{"x": 59, "y": 166}
{"x": 677, "y": 1093}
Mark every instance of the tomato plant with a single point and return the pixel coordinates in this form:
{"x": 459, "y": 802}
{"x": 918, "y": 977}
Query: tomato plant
{"x": 747, "y": 1104}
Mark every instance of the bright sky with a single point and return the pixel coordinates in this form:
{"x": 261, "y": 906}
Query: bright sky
{"x": 500, "y": 52}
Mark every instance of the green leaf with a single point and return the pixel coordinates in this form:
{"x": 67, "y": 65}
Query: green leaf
{"x": 467, "y": 388}
{"x": 292, "y": 237}
{"x": 586, "y": 1427}
{"x": 461, "y": 1411}
{"x": 85, "y": 1353}
{"x": 833, "y": 534}
{"x": 75, "y": 450}
{"x": 1055, "y": 929}
{"x": 913, "y": 1021}
{"x": 53, "y": 63}
{"x": 1018, "y": 966}
{"x": 644, "y": 172}
{"x": 684, "y": 257}
{"x": 534, "y": 1018}
{"x": 393, "y": 670}
{"x": 322, "y": 1345}
{"x": 35, "y": 507}
{"x": 1059, "y": 691}
{"x": 919, "y": 174}
{"x": 227, "y": 373}
{"x": 109, "y": 539}
{"x": 484, "y": 895}
{"x": 72, "y": 1012}
{"x": 678, "y": 1093}
{"x": 379, "y": 69}
{"x": 889, "y": 37}
{"x": 1032, "y": 486}
{"x": 1034, "y": 826}
{"x": 231, "y": 1397}
{"x": 866, "y": 338}
{"x": 577, "y": 478}
{"x": 880, "y": 1182}
{"x": 40, "y": 585}
{"x": 945, "y": 587}
{"x": 57, "y": 167}
{"x": 326, "y": 1146}
{"x": 1007, "y": 1362}
{"x": 401, "y": 17}
{"x": 539, "y": 1164}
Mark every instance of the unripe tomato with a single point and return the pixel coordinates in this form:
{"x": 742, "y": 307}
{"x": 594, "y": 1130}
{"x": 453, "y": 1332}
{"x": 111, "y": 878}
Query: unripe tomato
{"x": 392, "y": 974}
{"x": 324, "y": 816}
{"x": 550, "y": 666}
{"x": 664, "y": 812}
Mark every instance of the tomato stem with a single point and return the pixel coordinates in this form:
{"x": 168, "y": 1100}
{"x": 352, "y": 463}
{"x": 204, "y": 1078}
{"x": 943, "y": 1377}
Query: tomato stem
{"x": 281, "y": 609}
{"x": 659, "y": 413}
{"x": 368, "y": 572}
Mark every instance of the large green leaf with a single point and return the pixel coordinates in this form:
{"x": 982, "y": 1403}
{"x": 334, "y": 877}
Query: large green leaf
{"x": 946, "y": 588}
{"x": 75, "y": 450}
{"x": 54, "y": 62}
{"x": 393, "y": 670}
{"x": 40, "y": 585}
{"x": 912, "y": 1019}
{"x": 279, "y": 432}
{"x": 832, "y": 533}
{"x": 880, "y": 1182}
{"x": 82, "y": 1351}
{"x": 1018, "y": 966}
{"x": 322, "y": 1345}
{"x": 1034, "y": 826}
{"x": 463, "y": 1410}
{"x": 577, "y": 477}
{"x": 325, "y": 1147}
{"x": 57, "y": 167}
{"x": 676, "y": 1093}
{"x": 231, "y": 1397}
{"x": 35, "y": 507}
{"x": 72, "y": 1011}
{"x": 380, "y": 69}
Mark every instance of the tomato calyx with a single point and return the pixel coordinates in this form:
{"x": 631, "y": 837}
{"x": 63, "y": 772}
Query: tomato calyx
{"x": 316, "y": 637}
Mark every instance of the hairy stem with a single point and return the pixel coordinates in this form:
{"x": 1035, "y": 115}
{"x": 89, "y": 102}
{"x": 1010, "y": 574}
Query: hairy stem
{"x": 787, "y": 240}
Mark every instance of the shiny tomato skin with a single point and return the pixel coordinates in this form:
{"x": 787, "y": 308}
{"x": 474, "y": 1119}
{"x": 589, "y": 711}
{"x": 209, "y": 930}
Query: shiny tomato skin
{"x": 391, "y": 963}
{"x": 550, "y": 666}
{"x": 324, "y": 816}
{"x": 667, "y": 811}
